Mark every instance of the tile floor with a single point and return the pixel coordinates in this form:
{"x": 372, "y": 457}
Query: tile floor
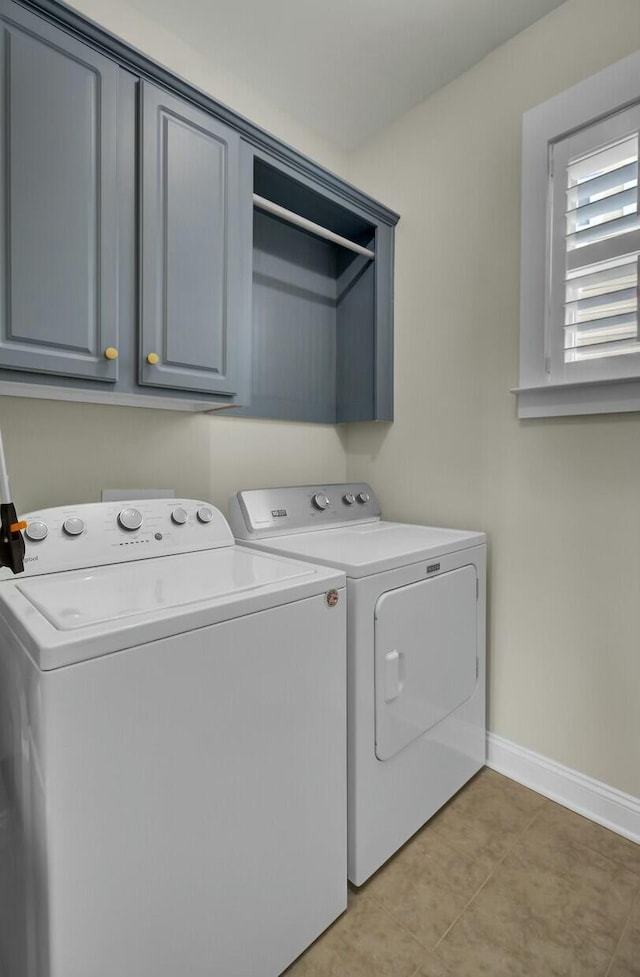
{"x": 501, "y": 883}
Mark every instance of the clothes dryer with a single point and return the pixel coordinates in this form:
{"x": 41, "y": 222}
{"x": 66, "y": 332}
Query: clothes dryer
{"x": 172, "y": 748}
{"x": 415, "y": 651}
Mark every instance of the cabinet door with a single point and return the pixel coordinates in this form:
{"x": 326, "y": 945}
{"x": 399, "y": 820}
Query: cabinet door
{"x": 191, "y": 288}
{"x": 58, "y": 246}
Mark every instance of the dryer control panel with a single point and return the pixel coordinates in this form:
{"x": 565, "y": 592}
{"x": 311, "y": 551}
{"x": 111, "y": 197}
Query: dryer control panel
{"x": 99, "y": 533}
{"x": 256, "y": 513}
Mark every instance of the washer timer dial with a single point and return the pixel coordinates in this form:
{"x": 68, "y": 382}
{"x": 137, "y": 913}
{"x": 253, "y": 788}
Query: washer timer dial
{"x": 130, "y": 519}
{"x": 320, "y": 500}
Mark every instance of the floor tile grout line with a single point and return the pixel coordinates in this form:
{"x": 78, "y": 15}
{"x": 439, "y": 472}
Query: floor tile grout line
{"x": 592, "y": 848}
{"x": 580, "y": 844}
{"x": 634, "y": 903}
{"x": 462, "y": 912}
{"x": 609, "y": 858}
{"x": 398, "y": 921}
{"x": 517, "y": 837}
{"x": 611, "y": 861}
{"x": 496, "y": 865}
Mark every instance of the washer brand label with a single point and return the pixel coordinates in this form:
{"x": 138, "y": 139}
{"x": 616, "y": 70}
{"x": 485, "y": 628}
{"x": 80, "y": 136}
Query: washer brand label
{"x": 278, "y": 513}
{"x": 432, "y": 567}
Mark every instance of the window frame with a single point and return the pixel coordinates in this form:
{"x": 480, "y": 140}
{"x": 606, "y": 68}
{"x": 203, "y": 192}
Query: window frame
{"x": 544, "y": 393}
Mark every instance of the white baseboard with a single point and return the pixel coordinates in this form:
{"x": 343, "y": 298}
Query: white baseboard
{"x": 594, "y": 800}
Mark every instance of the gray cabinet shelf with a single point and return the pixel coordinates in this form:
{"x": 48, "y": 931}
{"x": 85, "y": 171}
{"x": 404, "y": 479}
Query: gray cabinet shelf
{"x": 321, "y": 313}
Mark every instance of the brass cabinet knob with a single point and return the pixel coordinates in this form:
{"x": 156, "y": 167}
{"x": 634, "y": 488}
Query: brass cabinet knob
{"x": 153, "y": 359}
{"x": 111, "y": 353}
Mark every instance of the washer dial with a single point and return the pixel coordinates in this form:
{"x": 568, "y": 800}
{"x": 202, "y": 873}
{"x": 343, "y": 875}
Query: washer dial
{"x": 204, "y": 514}
{"x": 348, "y": 498}
{"x": 179, "y": 516}
{"x": 73, "y": 526}
{"x": 130, "y": 519}
{"x": 364, "y": 497}
{"x": 36, "y": 530}
{"x": 320, "y": 500}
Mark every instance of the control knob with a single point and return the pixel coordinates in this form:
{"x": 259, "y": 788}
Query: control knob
{"x": 179, "y": 516}
{"x": 364, "y": 497}
{"x": 204, "y": 514}
{"x": 320, "y": 500}
{"x": 130, "y": 519}
{"x": 73, "y": 526}
{"x": 349, "y": 498}
{"x": 36, "y": 530}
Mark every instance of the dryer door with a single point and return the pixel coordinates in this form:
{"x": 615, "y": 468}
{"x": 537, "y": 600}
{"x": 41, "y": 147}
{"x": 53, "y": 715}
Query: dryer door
{"x": 425, "y": 656}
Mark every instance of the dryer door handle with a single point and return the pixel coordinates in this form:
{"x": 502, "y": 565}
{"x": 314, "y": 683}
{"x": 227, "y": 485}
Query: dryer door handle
{"x": 393, "y": 675}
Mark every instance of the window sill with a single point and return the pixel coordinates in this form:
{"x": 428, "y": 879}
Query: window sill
{"x": 567, "y": 399}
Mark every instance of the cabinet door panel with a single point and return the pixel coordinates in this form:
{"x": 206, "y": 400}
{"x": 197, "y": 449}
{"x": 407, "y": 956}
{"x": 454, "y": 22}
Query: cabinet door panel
{"x": 189, "y": 246}
{"x": 58, "y": 238}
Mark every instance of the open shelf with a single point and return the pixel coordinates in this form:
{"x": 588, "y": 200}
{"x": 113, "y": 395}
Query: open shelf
{"x": 314, "y": 303}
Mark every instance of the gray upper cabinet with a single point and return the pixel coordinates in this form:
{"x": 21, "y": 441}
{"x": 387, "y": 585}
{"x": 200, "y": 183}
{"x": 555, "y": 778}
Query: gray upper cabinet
{"x": 58, "y": 237}
{"x": 195, "y": 328}
{"x": 157, "y": 249}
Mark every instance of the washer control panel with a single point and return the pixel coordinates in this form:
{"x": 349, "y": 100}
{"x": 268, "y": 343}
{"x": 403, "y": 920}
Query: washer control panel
{"x": 257, "y": 513}
{"x": 100, "y": 533}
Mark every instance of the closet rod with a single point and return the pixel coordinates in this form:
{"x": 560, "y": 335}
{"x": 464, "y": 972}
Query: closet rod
{"x": 308, "y": 225}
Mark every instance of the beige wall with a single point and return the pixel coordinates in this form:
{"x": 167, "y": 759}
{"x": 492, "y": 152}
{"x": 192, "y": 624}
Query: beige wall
{"x": 61, "y": 452}
{"x": 560, "y": 498}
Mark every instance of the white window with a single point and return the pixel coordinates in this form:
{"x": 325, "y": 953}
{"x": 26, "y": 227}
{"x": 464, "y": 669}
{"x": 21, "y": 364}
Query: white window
{"x": 579, "y": 338}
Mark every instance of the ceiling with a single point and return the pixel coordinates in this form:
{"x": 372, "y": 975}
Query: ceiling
{"x": 345, "y": 68}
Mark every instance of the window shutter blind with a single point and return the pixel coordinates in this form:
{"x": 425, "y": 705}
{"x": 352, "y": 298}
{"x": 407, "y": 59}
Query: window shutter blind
{"x": 602, "y": 246}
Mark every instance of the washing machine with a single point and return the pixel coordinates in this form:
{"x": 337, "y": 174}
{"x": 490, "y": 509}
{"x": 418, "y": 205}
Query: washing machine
{"x": 172, "y": 748}
{"x": 415, "y": 651}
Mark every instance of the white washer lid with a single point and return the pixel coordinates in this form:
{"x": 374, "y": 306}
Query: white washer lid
{"x": 371, "y": 547}
{"x": 76, "y": 615}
